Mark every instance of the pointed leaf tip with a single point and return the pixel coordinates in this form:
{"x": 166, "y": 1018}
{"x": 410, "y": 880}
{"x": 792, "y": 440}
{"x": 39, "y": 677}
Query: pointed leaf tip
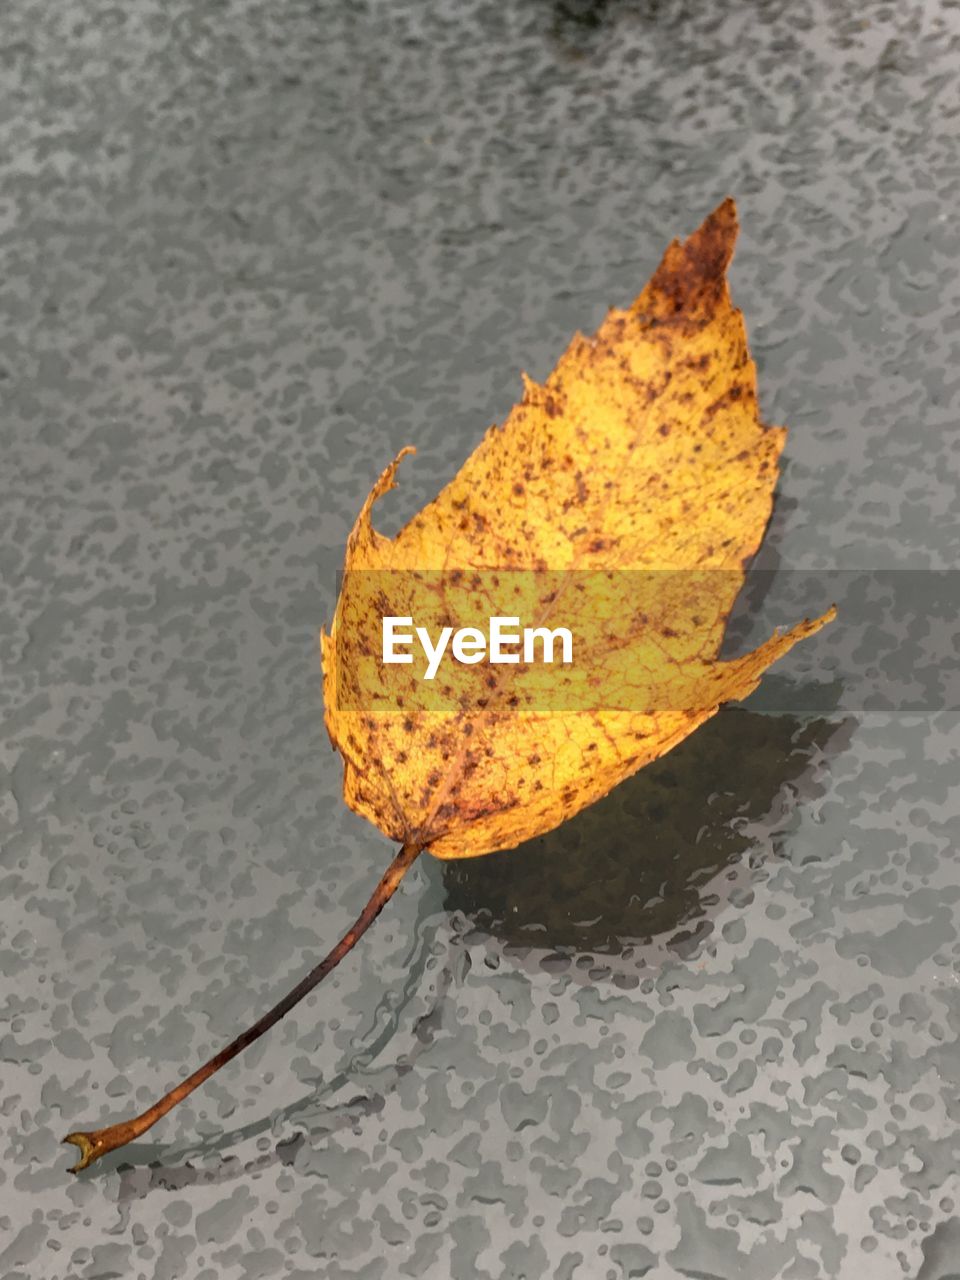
{"x": 691, "y": 279}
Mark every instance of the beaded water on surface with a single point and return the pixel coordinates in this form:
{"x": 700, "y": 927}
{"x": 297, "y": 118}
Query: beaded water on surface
{"x": 250, "y": 252}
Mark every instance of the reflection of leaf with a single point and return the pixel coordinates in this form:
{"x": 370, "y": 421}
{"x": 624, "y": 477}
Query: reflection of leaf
{"x": 634, "y": 865}
{"x": 642, "y": 452}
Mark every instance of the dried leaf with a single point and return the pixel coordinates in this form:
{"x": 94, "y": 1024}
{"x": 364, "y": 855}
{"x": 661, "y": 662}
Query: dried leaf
{"x": 629, "y": 489}
{"x": 640, "y": 461}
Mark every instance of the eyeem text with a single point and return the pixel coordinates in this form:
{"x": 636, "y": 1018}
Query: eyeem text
{"x": 502, "y": 642}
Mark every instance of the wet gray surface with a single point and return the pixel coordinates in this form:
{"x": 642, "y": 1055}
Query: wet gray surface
{"x": 248, "y": 252}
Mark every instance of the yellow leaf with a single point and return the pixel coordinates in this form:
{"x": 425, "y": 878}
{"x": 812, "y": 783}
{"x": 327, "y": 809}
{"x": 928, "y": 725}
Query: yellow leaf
{"x": 639, "y": 469}
{"x": 623, "y": 496}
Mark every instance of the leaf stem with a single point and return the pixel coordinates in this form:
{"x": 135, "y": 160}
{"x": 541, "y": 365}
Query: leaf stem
{"x": 98, "y": 1142}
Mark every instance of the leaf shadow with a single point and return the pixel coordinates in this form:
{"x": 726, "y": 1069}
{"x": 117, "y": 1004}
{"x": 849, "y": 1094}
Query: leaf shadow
{"x": 639, "y": 864}
{"x": 318, "y": 1113}
{"x": 644, "y": 861}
